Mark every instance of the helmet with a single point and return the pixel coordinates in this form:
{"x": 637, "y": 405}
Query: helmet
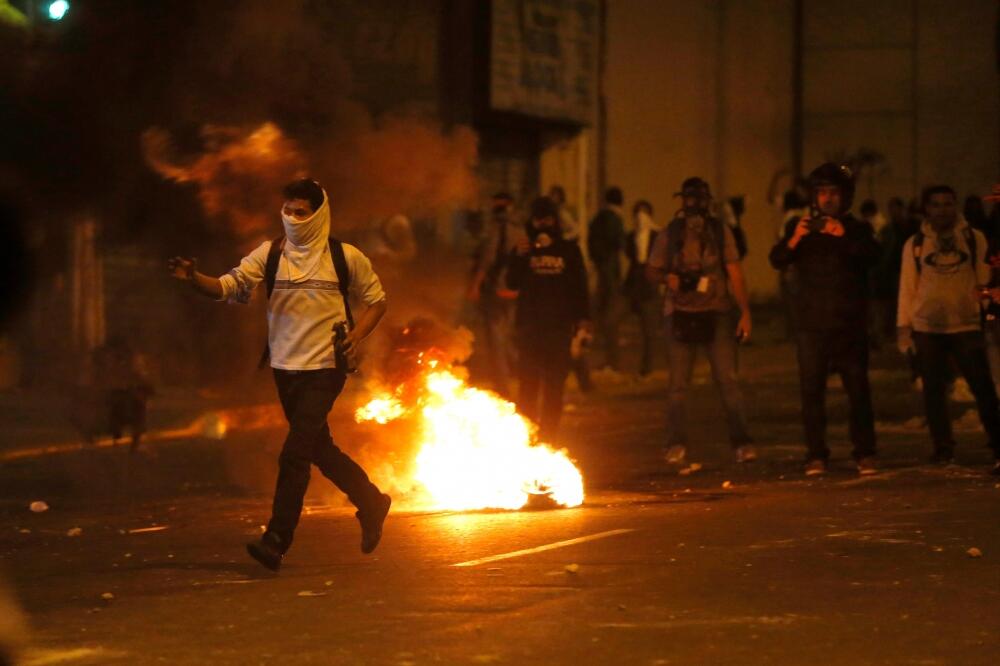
{"x": 694, "y": 186}
{"x": 829, "y": 173}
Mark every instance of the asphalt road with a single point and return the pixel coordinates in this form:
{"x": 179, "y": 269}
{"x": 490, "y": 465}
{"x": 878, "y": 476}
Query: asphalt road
{"x": 655, "y": 568}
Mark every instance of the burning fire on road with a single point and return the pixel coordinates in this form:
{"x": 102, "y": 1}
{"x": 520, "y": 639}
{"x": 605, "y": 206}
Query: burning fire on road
{"x": 475, "y": 451}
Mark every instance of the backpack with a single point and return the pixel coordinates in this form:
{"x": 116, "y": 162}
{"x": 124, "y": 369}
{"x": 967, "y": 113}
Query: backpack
{"x": 339, "y": 266}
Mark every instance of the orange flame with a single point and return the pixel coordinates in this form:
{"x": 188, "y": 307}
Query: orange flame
{"x": 475, "y": 450}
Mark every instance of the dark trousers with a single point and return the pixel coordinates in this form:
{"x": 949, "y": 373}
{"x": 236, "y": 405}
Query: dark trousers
{"x": 607, "y": 310}
{"x": 968, "y": 349}
{"x": 650, "y": 314}
{"x": 844, "y": 352}
{"x": 306, "y": 398}
{"x": 543, "y": 364}
{"x": 721, "y": 351}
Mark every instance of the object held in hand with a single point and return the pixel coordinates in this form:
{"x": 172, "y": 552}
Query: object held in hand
{"x": 346, "y": 360}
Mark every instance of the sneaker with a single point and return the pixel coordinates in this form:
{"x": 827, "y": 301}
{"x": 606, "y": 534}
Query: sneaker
{"x": 816, "y": 467}
{"x": 745, "y": 454}
{"x": 371, "y": 523}
{"x": 867, "y": 466}
{"x": 675, "y": 455}
{"x": 267, "y": 551}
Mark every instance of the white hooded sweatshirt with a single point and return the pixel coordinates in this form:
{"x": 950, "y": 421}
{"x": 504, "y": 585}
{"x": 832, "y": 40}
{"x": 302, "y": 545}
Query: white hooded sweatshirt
{"x": 306, "y": 301}
{"x": 939, "y": 298}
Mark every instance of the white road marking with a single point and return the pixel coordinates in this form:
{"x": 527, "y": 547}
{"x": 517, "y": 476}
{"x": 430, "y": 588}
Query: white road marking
{"x": 548, "y": 546}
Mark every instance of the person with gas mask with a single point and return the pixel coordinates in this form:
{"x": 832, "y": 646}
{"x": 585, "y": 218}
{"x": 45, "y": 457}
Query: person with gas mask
{"x": 309, "y": 276}
{"x": 550, "y": 278}
{"x": 941, "y": 290}
{"x": 697, "y": 259}
{"x": 832, "y": 252}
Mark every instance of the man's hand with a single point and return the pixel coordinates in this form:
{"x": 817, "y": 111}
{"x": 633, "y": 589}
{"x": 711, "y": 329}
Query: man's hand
{"x": 523, "y": 246}
{"x": 904, "y": 340}
{"x": 833, "y": 227}
{"x": 673, "y": 282}
{"x": 802, "y": 229}
{"x": 182, "y": 269}
{"x": 743, "y": 327}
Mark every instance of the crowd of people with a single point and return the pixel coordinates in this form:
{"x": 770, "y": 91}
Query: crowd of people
{"x": 529, "y": 282}
{"x": 927, "y": 276}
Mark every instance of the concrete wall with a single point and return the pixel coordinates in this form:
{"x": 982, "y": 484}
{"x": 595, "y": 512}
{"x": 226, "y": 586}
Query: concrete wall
{"x": 706, "y": 88}
{"x": 915, "y": 80}
{"x": 701, "y": 88}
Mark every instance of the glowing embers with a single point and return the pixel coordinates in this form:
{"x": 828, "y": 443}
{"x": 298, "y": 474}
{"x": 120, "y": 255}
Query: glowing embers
{"x": 476, "y": 451}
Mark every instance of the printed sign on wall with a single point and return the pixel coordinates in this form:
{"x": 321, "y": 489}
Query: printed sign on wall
{"x": 543, "y": 58}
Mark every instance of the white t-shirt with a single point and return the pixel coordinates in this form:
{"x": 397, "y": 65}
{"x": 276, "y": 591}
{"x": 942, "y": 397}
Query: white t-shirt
{"x": 300, "y": 316}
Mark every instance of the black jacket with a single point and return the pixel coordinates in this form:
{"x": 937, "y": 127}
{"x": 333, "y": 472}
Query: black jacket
{"x": 552, "y": 287}
{"x": 831, "y": 274}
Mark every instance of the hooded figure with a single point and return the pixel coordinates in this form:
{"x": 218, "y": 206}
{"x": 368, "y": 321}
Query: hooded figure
{"x": 548, "y": 273}
{"x": 303, "y": 309}
{"x": 306, "y": 242}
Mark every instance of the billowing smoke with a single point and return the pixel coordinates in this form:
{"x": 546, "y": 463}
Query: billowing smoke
{"x": 238, "y": 176}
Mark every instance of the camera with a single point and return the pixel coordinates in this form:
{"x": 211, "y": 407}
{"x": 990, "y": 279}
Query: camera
{"x": 689, "y": 281}
{"x": 816, "y": 219}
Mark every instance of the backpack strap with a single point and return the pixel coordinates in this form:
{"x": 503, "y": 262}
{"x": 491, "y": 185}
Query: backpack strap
{"x": 270, "y": 275}
{"x": 675, "y": 241}
{"x": 343, "y": 275}
{"x": 271, "y": 267}
{"x": 970, "y": 242}
{"x": 918, "y": 250}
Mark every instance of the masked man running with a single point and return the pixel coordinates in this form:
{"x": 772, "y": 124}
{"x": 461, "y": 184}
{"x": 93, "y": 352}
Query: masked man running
{"x": 311, "y": 275}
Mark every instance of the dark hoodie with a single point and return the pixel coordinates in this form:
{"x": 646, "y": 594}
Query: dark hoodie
{"x": 551, "y": 282}
{"x": 832, "y": 275}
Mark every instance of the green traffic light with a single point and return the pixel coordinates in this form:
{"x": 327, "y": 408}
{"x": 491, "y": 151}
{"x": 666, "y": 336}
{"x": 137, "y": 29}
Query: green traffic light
{"x": 57, "y": 9}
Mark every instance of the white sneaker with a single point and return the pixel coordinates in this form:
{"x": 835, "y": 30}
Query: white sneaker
{"x": 745, "y": 454}
{"x": 816, "y": 467}
{"x": 675, "y": 455}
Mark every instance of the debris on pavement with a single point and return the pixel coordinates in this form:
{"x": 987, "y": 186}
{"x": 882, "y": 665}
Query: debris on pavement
{"x": 693, "y": 467}
{"x": 974, "y": 552}
{"x": 727, "y": 484}
{"x": 310, "y": 593}
{"x": 144, "y": 530}
{"x": 108, "y": 596}
{"x": 74, "y": 531}
{"x": 38, "y": 506}
{"x": 572, "y": 568}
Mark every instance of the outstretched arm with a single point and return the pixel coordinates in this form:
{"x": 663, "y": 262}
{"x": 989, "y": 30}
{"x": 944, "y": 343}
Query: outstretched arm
{"x": 186, "y": 271}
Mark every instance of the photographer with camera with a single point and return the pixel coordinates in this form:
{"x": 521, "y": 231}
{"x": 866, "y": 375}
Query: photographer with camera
{"x": 832, "y": 252}
{"x": 697, "y": 258}
{"x": 308, "y": 275}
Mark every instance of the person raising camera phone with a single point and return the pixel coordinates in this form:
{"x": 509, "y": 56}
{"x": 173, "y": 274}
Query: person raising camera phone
{"x": 697, "y": 258}
{"x": 832, "y": 252}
